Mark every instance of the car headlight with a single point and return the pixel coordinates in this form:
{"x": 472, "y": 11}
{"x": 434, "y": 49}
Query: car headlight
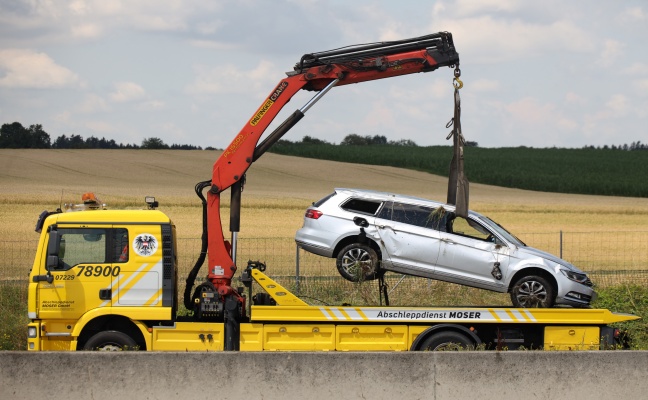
{"x": 575, "y": 276}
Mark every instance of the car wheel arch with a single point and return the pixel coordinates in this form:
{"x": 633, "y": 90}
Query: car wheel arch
{"x": 531, "y": 270}
{"x": 355, "y": 239}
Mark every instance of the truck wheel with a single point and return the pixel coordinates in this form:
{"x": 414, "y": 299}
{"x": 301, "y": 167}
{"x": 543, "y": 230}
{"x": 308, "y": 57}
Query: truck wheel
{"x": 110, "y": 341}
{"x": 532, "y": 291}
{"x": 357, "y": 262}
{"x": 446, "y": 341}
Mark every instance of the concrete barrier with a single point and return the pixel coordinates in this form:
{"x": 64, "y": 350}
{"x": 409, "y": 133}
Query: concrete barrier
{"x": 410, "y": 376}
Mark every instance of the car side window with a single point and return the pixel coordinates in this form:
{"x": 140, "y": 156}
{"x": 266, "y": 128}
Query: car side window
{"x": 412, "y": 214}
{"x": 386, "y": 211}
{"x": 468, "y": 228}
{"x": 361, "y": 206}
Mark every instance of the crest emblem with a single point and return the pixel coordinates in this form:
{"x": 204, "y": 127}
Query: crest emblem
{"x": 145, "y": 244}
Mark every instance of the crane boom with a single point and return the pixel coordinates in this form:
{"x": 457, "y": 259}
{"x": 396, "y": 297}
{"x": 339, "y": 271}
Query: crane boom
{"x": 319, "y": 71}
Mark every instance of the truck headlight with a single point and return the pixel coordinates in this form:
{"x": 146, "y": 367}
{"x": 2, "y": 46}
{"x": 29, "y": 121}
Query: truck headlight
{"x": 32, "y": 332}
{"x": 575, "y": 276}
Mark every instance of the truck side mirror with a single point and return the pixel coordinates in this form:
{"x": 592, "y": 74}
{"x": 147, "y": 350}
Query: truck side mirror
{"x": 52, "y": 257}
{"x": 53, "y": 247}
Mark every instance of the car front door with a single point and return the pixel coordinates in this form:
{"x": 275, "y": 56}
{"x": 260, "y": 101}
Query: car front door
{"x": 407, "y": 234}
{"x": 470, "y": 254}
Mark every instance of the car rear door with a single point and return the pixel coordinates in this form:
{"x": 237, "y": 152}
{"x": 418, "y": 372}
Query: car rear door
{"x": 409, "y": 238}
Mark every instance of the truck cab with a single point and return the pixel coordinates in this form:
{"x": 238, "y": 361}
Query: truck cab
{"x": 96, "y": 267}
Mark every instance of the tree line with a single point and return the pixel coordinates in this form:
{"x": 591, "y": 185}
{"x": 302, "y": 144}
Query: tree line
{"x": 354, "y": 139}
{"x": 16, "y": 136}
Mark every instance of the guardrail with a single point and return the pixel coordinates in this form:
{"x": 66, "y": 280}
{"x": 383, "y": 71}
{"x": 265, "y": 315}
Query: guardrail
{"x": 325, "y": 375}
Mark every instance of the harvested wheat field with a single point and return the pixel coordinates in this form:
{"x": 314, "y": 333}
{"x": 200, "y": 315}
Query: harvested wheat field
{"x": 279, "y": 188}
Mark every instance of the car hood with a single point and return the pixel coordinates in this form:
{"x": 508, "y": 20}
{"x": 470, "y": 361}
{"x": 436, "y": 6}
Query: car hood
{"x": 533, "y": 252}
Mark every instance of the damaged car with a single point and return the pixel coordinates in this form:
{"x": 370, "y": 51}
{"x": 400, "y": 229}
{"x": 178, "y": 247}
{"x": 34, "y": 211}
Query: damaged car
{"x": 370, "y": 232}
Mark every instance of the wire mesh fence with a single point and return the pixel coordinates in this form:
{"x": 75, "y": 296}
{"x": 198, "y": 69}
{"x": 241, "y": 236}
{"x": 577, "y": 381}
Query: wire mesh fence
{"x": 610, "y": 258}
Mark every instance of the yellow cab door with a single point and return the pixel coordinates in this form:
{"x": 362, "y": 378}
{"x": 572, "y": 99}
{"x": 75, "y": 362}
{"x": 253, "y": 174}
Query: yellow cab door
{"x": 88, "y": 262}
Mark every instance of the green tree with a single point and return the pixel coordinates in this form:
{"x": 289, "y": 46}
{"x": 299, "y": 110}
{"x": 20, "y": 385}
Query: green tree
{"x": 38, "y": 138}
{"x": 153, "y": 143}
{"x": 312, "y": 140}
{"x": 378, "y": 139}
{"x": 403, "y": 142}
{"x": 16, "y": 136}
{"x": 354, "y": 139}
{"x": 77, "y": 142}
{"x": 12, "y": 136}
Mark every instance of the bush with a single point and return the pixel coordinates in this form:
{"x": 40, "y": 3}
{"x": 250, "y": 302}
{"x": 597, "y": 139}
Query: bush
{"x": 13, "y": 317}
{"x": 631, "y": 299}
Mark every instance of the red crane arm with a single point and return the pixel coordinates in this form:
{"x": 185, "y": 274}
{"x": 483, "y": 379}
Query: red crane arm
{"x": 317, "y": 72}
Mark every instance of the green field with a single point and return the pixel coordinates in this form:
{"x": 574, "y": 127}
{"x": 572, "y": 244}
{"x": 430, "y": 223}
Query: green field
{"x": 583, "y": 171}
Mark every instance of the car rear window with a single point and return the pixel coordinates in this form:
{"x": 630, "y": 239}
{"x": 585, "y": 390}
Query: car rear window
{"x": 361, "y": 206}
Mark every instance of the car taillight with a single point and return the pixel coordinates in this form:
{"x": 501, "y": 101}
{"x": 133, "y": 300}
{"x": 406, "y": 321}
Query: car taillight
{"x": 313, "y": 214}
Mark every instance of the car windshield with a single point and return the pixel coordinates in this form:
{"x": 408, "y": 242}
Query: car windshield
{"x": 502, "y": 231}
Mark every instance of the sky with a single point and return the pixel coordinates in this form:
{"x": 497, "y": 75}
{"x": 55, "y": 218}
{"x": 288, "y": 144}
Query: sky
{"x": 536, "y": 73}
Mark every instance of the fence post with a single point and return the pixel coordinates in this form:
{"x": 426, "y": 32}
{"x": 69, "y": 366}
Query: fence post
{"x": 297, "y": 268}
{"x": 561, "y": 243}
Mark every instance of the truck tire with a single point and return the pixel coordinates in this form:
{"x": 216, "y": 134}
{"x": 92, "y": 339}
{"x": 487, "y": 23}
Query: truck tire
{"x": 110, "y": 341}
{"x": 446, "y": 341}
{"x": 533, "y": 291}
{"x": 357, "y": 262}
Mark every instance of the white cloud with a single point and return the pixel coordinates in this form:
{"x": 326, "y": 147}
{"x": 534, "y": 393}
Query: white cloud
{"x": 127, "y": 91}
{"x": 152, "y": 105}
{"x": 92, "y": 104}
{"x": 531, "y": 111}
{"x": 485, "y": 39}
{"x": 379, "y": 115}
{"x": 100, "y": 127}
{"x": 611, "y": 52}
{"x": 467, "y": 7}
{"x": 485, "y": 85}
{"x": 86, "y": 30}
{"x": 634, "y": 14}
{"x": 230, "y": 78}
{"x": 212, "y": 44}
{"x": 637, "y": 68}
{"x": 574, "y": 98}
{"x": 618, "y": 105}
{"x": 21, "y": 68}
{"x": 642, "y": 86}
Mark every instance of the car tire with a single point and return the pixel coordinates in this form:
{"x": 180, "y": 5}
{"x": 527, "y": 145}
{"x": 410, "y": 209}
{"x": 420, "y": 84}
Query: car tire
{"x": 357, "y": 262}
{"x": 110, "y": 341}
{"x": 533, "y": 291}
{"x": 446, "y": 341}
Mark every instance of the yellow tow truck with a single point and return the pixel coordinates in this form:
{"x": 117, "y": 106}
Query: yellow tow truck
{"x": 107, "y": 279}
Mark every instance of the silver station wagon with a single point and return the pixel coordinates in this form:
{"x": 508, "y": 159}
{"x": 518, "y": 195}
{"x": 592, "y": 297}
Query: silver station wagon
{"x": 370, "y": 232}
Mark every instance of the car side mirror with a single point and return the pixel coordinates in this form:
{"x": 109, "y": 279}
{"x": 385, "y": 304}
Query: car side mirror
{"x": 361, "y": 222}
